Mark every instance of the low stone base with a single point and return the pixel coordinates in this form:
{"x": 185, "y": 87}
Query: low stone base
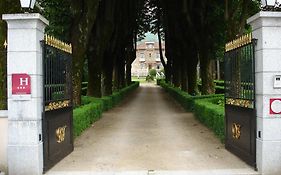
{"x": 26, "y": 159}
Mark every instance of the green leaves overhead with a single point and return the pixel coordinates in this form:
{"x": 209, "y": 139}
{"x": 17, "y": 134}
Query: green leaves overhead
{"x": 59, "y": 16}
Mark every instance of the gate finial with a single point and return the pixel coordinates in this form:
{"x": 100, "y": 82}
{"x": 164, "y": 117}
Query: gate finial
{"x": 5, "y": 44}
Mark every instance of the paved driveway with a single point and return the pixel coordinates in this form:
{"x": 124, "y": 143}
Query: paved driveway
{"x": 149, "y": 131}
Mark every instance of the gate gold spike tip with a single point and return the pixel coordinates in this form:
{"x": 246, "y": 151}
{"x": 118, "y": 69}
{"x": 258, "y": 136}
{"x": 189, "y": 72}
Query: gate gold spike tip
{"x": 52, "y": 41}
{"x": 5, "y": 44}
{"x": 239, "y": 42}
{"x": 45, "y": 38}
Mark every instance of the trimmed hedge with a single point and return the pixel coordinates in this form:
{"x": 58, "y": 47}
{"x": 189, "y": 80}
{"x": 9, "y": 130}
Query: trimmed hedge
{"x": 159, "y": 80}
{"x": 92, "y": 108}
{"x": 84, "y": 116}
{"x": 219, "y": 86}
{"x": 211, "y": 114}
{"x": 219, "y": 82}
{"x": 185, "y": 99}
{"x": 206, "y": 107}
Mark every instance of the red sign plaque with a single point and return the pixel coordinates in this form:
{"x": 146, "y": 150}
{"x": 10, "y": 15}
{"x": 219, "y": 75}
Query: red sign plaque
{"x": 275, "y": 106}
{"x": 21, "y": 84}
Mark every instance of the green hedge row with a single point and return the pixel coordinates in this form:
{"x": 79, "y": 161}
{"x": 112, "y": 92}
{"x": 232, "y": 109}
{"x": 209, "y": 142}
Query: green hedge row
{"x": 205, "y": 107}
{"x": 211, "y": 114}
{"x": 219, "y": 86}
{"x": 92, "y": 108}
{"x": 219, "y": 83}
{"x": 218, "y": 89}
{"x": 185, "y": 99}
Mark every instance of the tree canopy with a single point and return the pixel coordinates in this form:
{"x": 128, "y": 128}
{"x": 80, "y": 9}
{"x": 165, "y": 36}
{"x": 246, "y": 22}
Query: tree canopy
{"x": 104, "y": 34}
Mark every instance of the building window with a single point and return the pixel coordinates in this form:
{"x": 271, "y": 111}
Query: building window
{"x": 142, "y": 57}
{"x": 150, "y": 45}
{"x": 158, "y": 57}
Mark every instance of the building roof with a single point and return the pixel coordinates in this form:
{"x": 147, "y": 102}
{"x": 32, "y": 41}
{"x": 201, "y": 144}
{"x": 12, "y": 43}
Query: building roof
{"x": 143, "y": 45}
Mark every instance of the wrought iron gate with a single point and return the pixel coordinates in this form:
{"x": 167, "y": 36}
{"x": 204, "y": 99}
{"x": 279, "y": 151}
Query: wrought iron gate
{"x": 57, "y": 118}
{"x": 240, "y": 113}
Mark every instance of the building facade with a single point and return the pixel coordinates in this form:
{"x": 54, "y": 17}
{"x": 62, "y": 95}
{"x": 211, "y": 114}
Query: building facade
{"x": 148, "y": 57}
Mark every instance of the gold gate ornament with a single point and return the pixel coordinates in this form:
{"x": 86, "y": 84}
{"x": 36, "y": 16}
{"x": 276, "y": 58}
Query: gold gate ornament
{"x": 60, "y": 134}
{"x": 236, "y": 131}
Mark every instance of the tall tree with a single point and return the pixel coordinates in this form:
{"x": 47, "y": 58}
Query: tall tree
{"x": 83, "y": 18}
{"x": 6, "y": 7}
{"x": 99, "y": 40}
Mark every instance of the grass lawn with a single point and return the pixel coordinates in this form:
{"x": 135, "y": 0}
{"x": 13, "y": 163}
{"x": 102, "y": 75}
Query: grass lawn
{"x": 140, "y": 79}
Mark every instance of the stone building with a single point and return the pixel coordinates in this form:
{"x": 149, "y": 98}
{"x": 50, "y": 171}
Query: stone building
{"x": 148, "y": 57}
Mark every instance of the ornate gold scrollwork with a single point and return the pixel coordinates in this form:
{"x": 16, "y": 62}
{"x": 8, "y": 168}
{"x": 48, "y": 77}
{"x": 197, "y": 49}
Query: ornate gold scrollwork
{"x": 236, "y": 131}
{"x": 60, "y": 134}
{"x": 240, "y": 102}
{"x": 57, "y": 105}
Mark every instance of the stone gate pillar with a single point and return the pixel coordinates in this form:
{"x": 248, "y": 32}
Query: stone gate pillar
{"x": 25, "y": 93}
{"x": 267, "y": 30}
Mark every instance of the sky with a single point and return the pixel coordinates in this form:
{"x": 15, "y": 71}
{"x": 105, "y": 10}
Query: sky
{"x": 149, "y": 37}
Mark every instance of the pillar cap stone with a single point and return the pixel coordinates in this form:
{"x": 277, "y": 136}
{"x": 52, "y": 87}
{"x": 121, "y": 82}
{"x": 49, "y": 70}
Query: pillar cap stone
{"x": 265, "y": 19}
{"x": 24, "y": 16}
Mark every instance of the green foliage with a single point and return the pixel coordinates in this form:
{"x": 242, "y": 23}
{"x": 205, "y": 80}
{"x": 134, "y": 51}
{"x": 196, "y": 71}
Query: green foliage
{"x": 211, "y": 114}
{"x": 220, "y": 102}
{"x": 149, "y": 78}
{"x": 92, "y": 108}
{"x": 152, "y": 72}
{"x": 219, "y": 83}
{"x": 185, "y": 99}
{"x": 107, "y": 103}
{"x": 142, "y": 20}
{"x": 6, "y": 7}
{"x": 219, "y": 86}
{"x": 58, "y": 95}
{"x": 85, "y": 115}
{"x": 151, "y": 75}
{"x": 158, "y": 81}
{"x": 237, "y": 12}
{"x": 207, "y": 108}
{"x": 59, "y": 16}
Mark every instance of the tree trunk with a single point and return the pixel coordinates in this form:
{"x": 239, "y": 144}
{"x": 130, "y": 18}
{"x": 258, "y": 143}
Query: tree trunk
{"x": 77, "y": 68}
{"x": 218, "y": 69}
{"x": 160, "y": 44}
{"x": 184, "y": 79}
{"x": 119, "y": 69}
{"x": 107, "y": 74}
{"x": 94, "y": 83}
{"x": 176, "y": 71}
{"x": 83, "y": 21}
{"x": 206, "y": 74}
{"x": 168, "y": 75}
{"x": 100, "y": 39}
{"x": 192, "y": 74}
{"x": 128, "y": 74}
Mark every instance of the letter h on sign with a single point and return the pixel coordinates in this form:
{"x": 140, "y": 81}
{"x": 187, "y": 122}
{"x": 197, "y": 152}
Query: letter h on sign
{"x": 21, "y": 84}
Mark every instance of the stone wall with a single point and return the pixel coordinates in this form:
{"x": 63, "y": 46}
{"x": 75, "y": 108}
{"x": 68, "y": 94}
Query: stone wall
{"x": 3, "y": 140}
